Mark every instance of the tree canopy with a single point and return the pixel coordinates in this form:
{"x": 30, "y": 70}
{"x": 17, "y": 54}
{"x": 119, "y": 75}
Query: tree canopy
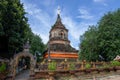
{"x": 102, "y": 41}
{"x": 88, "y": 46}
{"x": 37, "y": 46}
{"x": 14, "y": 28}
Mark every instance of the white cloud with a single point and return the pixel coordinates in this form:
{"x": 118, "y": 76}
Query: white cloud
{"x": 48, "y": 3}
{"x": 75, "y": 29}
{"x": 39, "y": 20}
{"x": 38, "y": 13}
{"x": 84, "y": 14}
{"x": 44, "y": 37}
{"x": 98, "y": 0}
{"x": 103, "y": 2}
{"x": 83, "y": 11}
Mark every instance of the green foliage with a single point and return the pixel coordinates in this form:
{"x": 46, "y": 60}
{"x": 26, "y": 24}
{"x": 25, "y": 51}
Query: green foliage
{"x": 115, "y": 63}
{"x": 108, "y": 37}
{"x": 87, "y": 66}
{"x": 13, "y": 25}
{"x": 88, "y": 46}
{"x": 37, "y": 46}
{"x": 71, "y": 66}
{"x": 15, "y": 29}
{"x": 106, "y": 65}
{"x": 2, "y": 67}
{"x": 52, "y": 66}
{"x": 102, "y": 40}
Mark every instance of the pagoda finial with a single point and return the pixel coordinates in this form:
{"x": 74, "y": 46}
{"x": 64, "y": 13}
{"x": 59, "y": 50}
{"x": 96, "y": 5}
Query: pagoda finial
{"x": 26, "y": 46}
{"x": 58, "y": 11}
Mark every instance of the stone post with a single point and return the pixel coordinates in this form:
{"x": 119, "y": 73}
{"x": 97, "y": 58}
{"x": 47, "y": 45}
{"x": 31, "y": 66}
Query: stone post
{"x": 82, "y": 65}
{"x": 94, "y": 66}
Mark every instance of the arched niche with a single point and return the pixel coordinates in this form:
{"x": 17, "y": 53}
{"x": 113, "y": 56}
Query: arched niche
{"x": 61, "y": 34}
{"x": 15, "y": 61}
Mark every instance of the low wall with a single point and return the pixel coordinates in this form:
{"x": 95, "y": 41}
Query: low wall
{"x": 66, "y": 65}
{"x": 46, "y": 74}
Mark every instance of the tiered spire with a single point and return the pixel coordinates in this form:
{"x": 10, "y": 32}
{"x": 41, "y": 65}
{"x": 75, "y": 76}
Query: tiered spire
{"x": 58, "y": 19}
{"x": 58, "y": 13}
{"x": 58, "y": 23}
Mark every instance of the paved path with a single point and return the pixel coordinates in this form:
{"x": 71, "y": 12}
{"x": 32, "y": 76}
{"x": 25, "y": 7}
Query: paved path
{"x": 24, "y": 75}
{"x": 100, "y": 76}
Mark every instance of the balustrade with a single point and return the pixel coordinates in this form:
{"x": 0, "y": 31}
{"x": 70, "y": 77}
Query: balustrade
{"x": 66, "y": 65}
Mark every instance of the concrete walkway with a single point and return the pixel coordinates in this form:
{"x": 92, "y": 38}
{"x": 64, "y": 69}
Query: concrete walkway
{"x": 24, "y": 75}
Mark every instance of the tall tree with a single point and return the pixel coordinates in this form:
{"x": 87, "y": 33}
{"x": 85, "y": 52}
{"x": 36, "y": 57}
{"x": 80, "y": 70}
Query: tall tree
{"x": 102, "y": 41}
{"x": 37, "y": 46}
{"x": 13, "y": 24}
{"x": 109, "y": 35}
{"x": 2, "y": 10}
{"x": 88, "y": 46}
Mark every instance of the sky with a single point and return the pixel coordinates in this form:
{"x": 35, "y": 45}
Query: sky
{"x": 76, "y": 15}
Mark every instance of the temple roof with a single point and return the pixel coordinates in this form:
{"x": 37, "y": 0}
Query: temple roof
{"x": 58, "y": 19}
{"x": 58, "y": 39}
{"x": 58, "y": 24}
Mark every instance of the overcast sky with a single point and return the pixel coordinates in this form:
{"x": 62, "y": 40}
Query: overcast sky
{"x": 76, "y": 15}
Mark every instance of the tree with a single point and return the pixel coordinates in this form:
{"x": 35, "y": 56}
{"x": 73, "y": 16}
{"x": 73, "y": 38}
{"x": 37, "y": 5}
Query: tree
{"x": 13, "y": 26}
{"x": 88, "y": 46}
{"x": 109, "y": 35}
{"x": 102, "y": 41}
{"x": 37, "y": 46}
{"x": 2, "y": 10}
{"x": 15, "y": 31}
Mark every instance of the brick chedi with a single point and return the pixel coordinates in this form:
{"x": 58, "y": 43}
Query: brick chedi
{"x": 58, "y": 45}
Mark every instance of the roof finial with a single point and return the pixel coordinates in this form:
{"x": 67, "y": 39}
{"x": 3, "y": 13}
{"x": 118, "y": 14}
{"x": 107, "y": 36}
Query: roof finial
{"x": 58, "y": 11}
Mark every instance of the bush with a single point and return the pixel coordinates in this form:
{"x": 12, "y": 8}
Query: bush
{"x": 2, "y": 67}
{"x": 106, "y": 65}
{"x": 71, "y": 66}
{"x": 52, "y": 65}
{"x": 115, "y": 63}
{"x": 87, "y": 66}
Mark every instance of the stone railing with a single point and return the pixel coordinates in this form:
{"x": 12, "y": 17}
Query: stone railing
{"x": 77, "y": 68}
{"x": 66, "y": 65}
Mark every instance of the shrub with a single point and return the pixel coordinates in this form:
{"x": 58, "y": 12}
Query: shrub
{"x": 71, "y": 66}
{"x": 87, "y": 66}
{"x": 52, "y": 65}
{"x": 2, "y": 67}
{"x": 106, "y": 65}
{"x": 115, "y": 63}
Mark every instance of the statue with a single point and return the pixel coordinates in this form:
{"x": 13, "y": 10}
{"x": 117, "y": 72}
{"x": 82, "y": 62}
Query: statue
{"x": 58, "y": 11}
{"x": 117, "y": 58}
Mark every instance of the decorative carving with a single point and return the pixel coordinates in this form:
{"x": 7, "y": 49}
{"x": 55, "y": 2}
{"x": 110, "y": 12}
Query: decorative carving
{"x": 14, "y": 63}
{"x": 11, "y": 66}
{"x": 117, "y": 58}
{"x": 58, "y": 11}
